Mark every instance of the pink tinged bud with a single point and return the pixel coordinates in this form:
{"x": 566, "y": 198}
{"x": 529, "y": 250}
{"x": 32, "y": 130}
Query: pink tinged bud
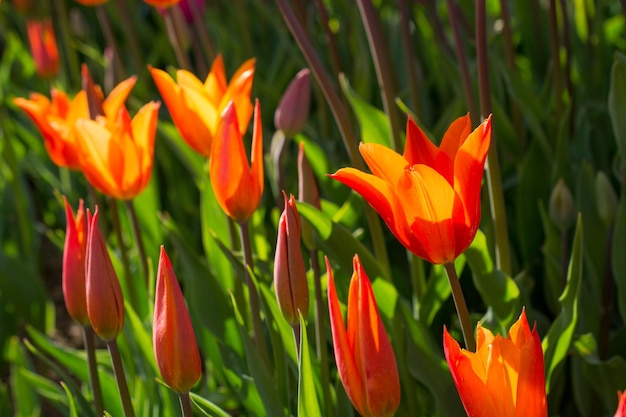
{"x": 74, "y": 263}
{"x": 290, "y": 283}
{"x": 363, "y": 353}
{"x": 105, "y": 303}
{"x": 293, "y": 109}
{"x": 175, "y": 346}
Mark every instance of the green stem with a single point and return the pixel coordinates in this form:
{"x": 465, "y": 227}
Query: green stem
{"x": 320, "y": 334}
{"x": 175, "y": 39}
{"x": 107, "y": 31}
{"x": 255, "y": 308}
{"x": 131, "y": 35}
{"x": 461, "y": 307}
{"x": 63, "y": 28}
{"x": 185, "y": 404}
{"x": 203, "y": 34}
{"x": 556, "y": 60}
{"x": 120, "y": 378}
{"x": 418, "y": 281}
{"x": 141, "y": 250}
{"x": 335, "y": 62}
{"x": 117, "y": 227}
{"x": 407, "y": 46}
{"x": 341, "y": 117}
{"x": 399, "y": 332}
{"x": 296, "y": 328}
{"x": 466, "y": 80}
{"x": 378, "y": 49}
{"x": 494, "y": 181}
{"x": 94, "y": 379}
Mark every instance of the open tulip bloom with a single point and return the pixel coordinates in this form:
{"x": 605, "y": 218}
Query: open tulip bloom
{"x": 430, "y": 196}
{"x": 365, "y": 359}
{"x": 505, "y": 377}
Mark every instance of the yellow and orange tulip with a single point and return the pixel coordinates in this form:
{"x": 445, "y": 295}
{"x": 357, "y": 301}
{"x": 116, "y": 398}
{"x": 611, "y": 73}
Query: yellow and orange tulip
{"x": 238, "y": 186}
{"x": 505, "y": 377}
{"x": 430, "y": 196}
{"x": 196, "y": 107}
{"x": 116, "y": 153}
{"x": 365, "y": 359}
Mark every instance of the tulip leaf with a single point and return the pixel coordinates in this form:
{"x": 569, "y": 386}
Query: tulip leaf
{"x": 25, "y": 401}
{"x": 497, "y": 290}
{"x": 70, "y": 400}
{"x": 140, "y": 337}
{"x": 374, "y": 123}
{"x": 205, "y": 406}
{"x": 617, "y": 102}
{"x": 618, "y": 259}
{"x": 308, "y": 405}
{"x": 282, "y": 327}
{"x": 258, "y": 370}
{"x": 44, "y": 387}
{"x": 558, "y": 340}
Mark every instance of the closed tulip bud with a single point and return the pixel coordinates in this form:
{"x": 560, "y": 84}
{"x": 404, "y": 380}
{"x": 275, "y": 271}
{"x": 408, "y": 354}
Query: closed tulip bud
{"x": 307, "y": 192}
{"x": 365, "y": 359}
{"x": 43, "y": 47}
{"x": 74, "y": 263}
{"x": 105, "y": 302}
{"x": 606, "y": 197}
{"x": 293, "y": 108}
{"x": 189, "y": 9}
{"x": 562, "y": 208}
{"x": 290, "y": 283}
{"x": 621, "y": 407}
{"x": 175, "y": 347}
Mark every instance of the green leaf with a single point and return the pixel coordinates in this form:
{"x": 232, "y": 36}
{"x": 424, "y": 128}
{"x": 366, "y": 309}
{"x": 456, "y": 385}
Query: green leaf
{"x": 308, "y": 405}
{"x": 498, "y": 291}
{"x": 44, "y": 386}
{"x": 206, "y": 406}
{"x": 70, "y": 400}
{"x": 557, "y": 342}
{"x": 25, "y": 399}
{"x": 617, "y": 102}
{"x": 618, "y": 259}
{"x": 374, "y": 123}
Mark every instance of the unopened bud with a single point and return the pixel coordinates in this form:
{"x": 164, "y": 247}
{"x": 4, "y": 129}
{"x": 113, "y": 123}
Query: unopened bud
{"x": 293, "y": 108}
{"x": 43, "y": 47}
{"x": 606, "y": 198}
{"x": 562, "y": 209}
{"x": 74, "y": 263}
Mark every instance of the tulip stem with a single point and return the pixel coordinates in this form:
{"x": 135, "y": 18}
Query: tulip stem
{"x": 117, "y": 226}
{"x": 461, "y": 307}
{"x": 120, "y": 378}
{"x": 141, "y": 249}
{"x": 255, "y": 309}
{"x": 494, "y": 181}
{"x": 203, "y": 34}
{"x": 175, "y": 40}
{"x": 131, "y": 35}
{"x": 320, "y": 334}
{"x": 185, "y": 404}
{"x": 296, "y": 328}
{"x": 107, "y": 31}
{"x": 94, "y": 379}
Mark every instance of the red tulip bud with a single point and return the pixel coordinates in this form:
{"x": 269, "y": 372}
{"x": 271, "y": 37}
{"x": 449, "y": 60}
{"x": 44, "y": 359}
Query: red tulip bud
{"x": 293, "y": 109}
{"x": 175, "y": 346}
{"x": 43, "y": 47}
{"x": 105, "y": 303}
{"x": 290, "y": 284}
{"x": 74, "y": 263}
{"x": 621, "y": 407}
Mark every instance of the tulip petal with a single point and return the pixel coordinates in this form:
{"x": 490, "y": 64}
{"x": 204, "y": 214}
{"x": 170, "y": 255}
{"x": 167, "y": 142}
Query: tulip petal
{"x": 187, "y": 81}
{"x": 94, "y": 146}
{"x": 346, "y": 366}
{"x": 531, "y": 385}
{"x": 256, "y": 157}
{"x": 470, "y": 387}
{"x": 418, "y": 149}
{"x": 383, "y": 162}
{"x": 143, "y": 127}
{"x": 74, "y": 263}
{"x": 238, "y": 91}
{"x": 454, "y": 137}
{"x": 118, "y": 96}
{"x": 215, "y": 84}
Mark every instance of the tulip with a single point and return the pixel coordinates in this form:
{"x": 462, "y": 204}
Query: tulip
{"x": 290, "y": 283}
{"x": 238, "y": 186}
{"x": 293, "y": 108}
{"x": 116, "y": 153}
{"x": 162, "y": 3}
{"x": 175, "y": 347}
{"x": 196, "y": 107}
{"x": 365, "y": 359}
{"x": 43, "y": 47}
{"x": 621, "y": 407}
{"x": 105, "y": 303}
{"x": 56, "y": 119}
{"x": 430, "y": 196}
{"x": 74, "y": 263}
{"x": 505, "y": 377}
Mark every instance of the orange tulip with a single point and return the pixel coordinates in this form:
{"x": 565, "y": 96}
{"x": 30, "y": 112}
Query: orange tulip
{"x": 505, "y": 377}
{"x": 196, "y": 107}
{"x": 365, "y": 359}
{"x": 74, "y": 263}
{"x": 43, "y": 47}
{"x": 621, "y": 407}
{"x": 56, "y": 119}
{"x": 429, "y": 197}
{"x": 237, "y": 185}
{"x": 105, "y": 302}
{"x": 116, "y": 153}
{"x": 175, "y": 347}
